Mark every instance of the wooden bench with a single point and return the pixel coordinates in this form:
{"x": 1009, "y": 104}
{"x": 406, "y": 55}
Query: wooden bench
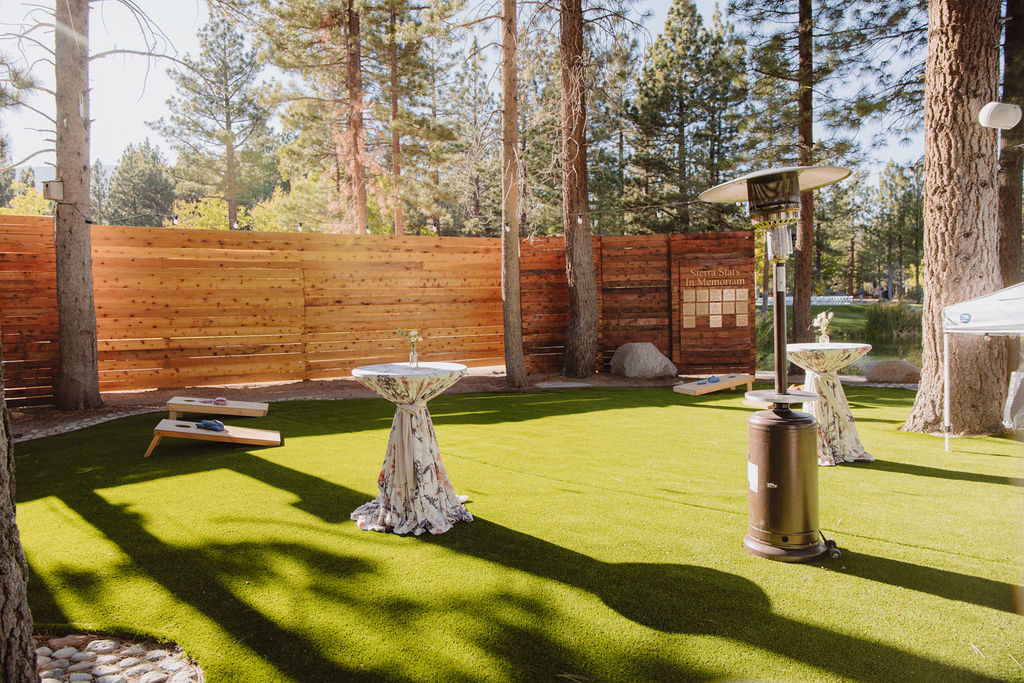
{"x": 705, "y": 387}
{"x": 180, "y": 405}
{"x": 191, "y": 430}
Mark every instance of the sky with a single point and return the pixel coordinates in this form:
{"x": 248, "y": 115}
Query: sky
{"x": 129, "y": 91}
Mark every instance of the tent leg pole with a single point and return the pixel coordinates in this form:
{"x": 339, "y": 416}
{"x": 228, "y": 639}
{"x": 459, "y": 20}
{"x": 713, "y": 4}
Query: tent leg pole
{"x": 945, "y": 387}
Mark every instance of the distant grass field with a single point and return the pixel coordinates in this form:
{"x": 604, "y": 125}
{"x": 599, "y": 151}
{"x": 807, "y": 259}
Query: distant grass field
{"x": 849, "y": 325}
{"x": 606, "y": 547}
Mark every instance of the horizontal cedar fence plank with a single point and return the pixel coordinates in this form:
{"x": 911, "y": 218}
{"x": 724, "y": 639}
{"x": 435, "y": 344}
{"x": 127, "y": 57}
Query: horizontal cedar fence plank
{"x": 206, "y": 331}
{"x": 144, "y": 310}
{"x": 389, "y": 332}
{"x": 198, "y": 343}
{"x": 353, "y": 312}
{"x": 165, "y": 274}
{"x": 475, "y": 296}
{"x": 205, "y": 364}
{"x": 172, "y": 354}
{"x": 21, "y": 260}
{"x": 350, "y": 350}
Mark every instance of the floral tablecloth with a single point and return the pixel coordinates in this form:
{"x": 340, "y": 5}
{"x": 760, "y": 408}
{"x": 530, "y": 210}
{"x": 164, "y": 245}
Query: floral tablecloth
{"x": 838, "y": 440}
{"x": 415, "y": 493}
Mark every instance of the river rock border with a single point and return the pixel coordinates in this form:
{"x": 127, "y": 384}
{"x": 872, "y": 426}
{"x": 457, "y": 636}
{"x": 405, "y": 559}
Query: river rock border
{"x": 98, "y": 659}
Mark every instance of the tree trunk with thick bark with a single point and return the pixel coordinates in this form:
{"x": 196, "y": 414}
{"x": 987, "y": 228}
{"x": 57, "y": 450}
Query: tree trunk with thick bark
{"x": 960, "y": 230}
{"x": 1011, "y": 148}
{"x": 78, "y": 372}
{"x": 581, "y": 336}
{"x": 396, "y": 147}
{"x": 511, "y": 305}
{"x": 17, "y": 656}
{"x": 356, "y": 151}
{"x": 804, "y": 246}
{"x": 231, "y": 180}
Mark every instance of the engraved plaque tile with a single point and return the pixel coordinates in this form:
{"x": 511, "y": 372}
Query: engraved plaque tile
{"x": 689, "y": 309}
{"x": 689, "y": 321}
{"x": 716, "y": 295}
{"x": 702, "y": 309}
{"x": 715, "y": 308}
{"x": 728, "y": 307}
{"x": 741, "y": 320}
{"x": 729, "y": 295}
{"x": 741, "y": 295}
{"x": 689, "y": 295}
{"x": 716, "y": 321}
{"x": 702, "y": 295}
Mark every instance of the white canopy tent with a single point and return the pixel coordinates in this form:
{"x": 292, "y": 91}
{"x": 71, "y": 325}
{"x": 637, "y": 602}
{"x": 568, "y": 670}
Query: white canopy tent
{"x": 998, "y": 314}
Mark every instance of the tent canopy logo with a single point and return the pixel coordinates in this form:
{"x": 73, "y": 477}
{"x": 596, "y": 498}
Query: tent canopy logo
{"x": 965, "y": 318}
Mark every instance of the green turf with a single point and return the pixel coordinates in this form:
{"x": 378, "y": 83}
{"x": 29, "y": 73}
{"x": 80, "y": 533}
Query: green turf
{"x": 606, "y": 546}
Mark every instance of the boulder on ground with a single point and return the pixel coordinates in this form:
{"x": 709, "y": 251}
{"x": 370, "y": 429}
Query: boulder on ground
{"x": 892, "y": 372}
{"x": 641, "y": 360}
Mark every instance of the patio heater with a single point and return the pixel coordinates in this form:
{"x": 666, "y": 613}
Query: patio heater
{"x": 782, "y": 461}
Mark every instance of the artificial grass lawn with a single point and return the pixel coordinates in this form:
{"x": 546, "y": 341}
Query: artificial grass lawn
{"x": 606, "y": 546}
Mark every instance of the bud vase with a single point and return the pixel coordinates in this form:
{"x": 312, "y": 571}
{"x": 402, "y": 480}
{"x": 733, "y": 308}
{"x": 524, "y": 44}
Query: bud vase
{"x": 414, "y": 359}
{"x": 823, "y": 338}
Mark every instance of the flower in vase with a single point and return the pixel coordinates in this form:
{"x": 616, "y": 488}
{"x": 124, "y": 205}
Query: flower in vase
{"x": 821, "y": 322}
{"x": 413, "y": 336}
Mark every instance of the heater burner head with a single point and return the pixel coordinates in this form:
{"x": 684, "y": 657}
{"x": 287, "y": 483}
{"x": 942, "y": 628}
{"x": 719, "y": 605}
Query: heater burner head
{"x": 808, "y": 178}
{"x": 767, "y": 194}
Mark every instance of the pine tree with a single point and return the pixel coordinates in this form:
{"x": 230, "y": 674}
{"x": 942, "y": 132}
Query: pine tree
{"x": 141, "y": 190}
{"x": 99, "y": 191}
{"x": 960, "y": 210}
{"x": 475, "y": 165}
{"x": 689, "y": 109}
{"x": 217, "y": 123}
{"x": 611, "y": 129}
{"x": 821, "y": 47}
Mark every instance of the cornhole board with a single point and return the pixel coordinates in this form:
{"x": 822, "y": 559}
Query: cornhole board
{"x": 179, "y": 405}
{"x": 191, "y": 430}
{"x": 724, "y": 382}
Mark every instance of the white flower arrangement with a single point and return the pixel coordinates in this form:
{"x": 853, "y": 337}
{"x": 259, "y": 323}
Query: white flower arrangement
{"x": 413, "y": 336}
{"x": 820, "y": 324}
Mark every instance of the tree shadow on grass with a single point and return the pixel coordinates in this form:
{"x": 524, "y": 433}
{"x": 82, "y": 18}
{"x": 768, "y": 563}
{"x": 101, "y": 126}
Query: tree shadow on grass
{"x": 192, "y": 578}
{"x": 925, "y": 471}
{"x": 690, "y": 599}
{"x": 959, "y": 587}
{"x": 668, "y": 598}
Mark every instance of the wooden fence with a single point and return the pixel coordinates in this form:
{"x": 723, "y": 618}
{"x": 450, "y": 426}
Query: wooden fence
{"x": 179, "y": 308}
{"x": 692, "y": 296}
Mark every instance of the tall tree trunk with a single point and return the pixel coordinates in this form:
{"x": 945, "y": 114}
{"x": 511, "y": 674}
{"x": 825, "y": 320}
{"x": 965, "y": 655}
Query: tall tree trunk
{"x": 231, "y": 182}
{"x": 396, "y": 149}
{"x": 78, "y": 374}
{"x": 960, "y": 199}
{"x": 17, "y": 659}
{"x": 1011, "y": 148}
{"x": 354, "y": 79}
{"x": 851, "y": 264}
{"x": 803, "y": 265}
{"x": 581, "y": 335}
{"x": 1011, "y": 162}
{"x": 511, "y": 306}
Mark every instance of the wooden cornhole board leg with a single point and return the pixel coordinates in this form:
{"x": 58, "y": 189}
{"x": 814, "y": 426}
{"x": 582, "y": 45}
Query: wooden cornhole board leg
{"x": 231, "y": 434}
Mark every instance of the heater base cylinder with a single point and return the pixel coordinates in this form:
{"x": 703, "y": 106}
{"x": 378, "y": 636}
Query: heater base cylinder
{"x": 782, "y": 496}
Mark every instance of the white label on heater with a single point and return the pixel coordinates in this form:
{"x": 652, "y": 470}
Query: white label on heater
{"x": 752, "y": 476}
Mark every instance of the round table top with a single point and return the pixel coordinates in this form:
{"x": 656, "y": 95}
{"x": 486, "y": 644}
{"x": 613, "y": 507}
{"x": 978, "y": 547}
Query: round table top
{"x": 406, "y": 370}
{"x": 831, "y": 346}
{"x": 819, "y": 357}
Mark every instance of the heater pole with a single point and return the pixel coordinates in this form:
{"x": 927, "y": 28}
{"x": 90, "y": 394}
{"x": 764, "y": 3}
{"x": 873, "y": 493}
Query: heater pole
{"x": 781, "y": 375}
